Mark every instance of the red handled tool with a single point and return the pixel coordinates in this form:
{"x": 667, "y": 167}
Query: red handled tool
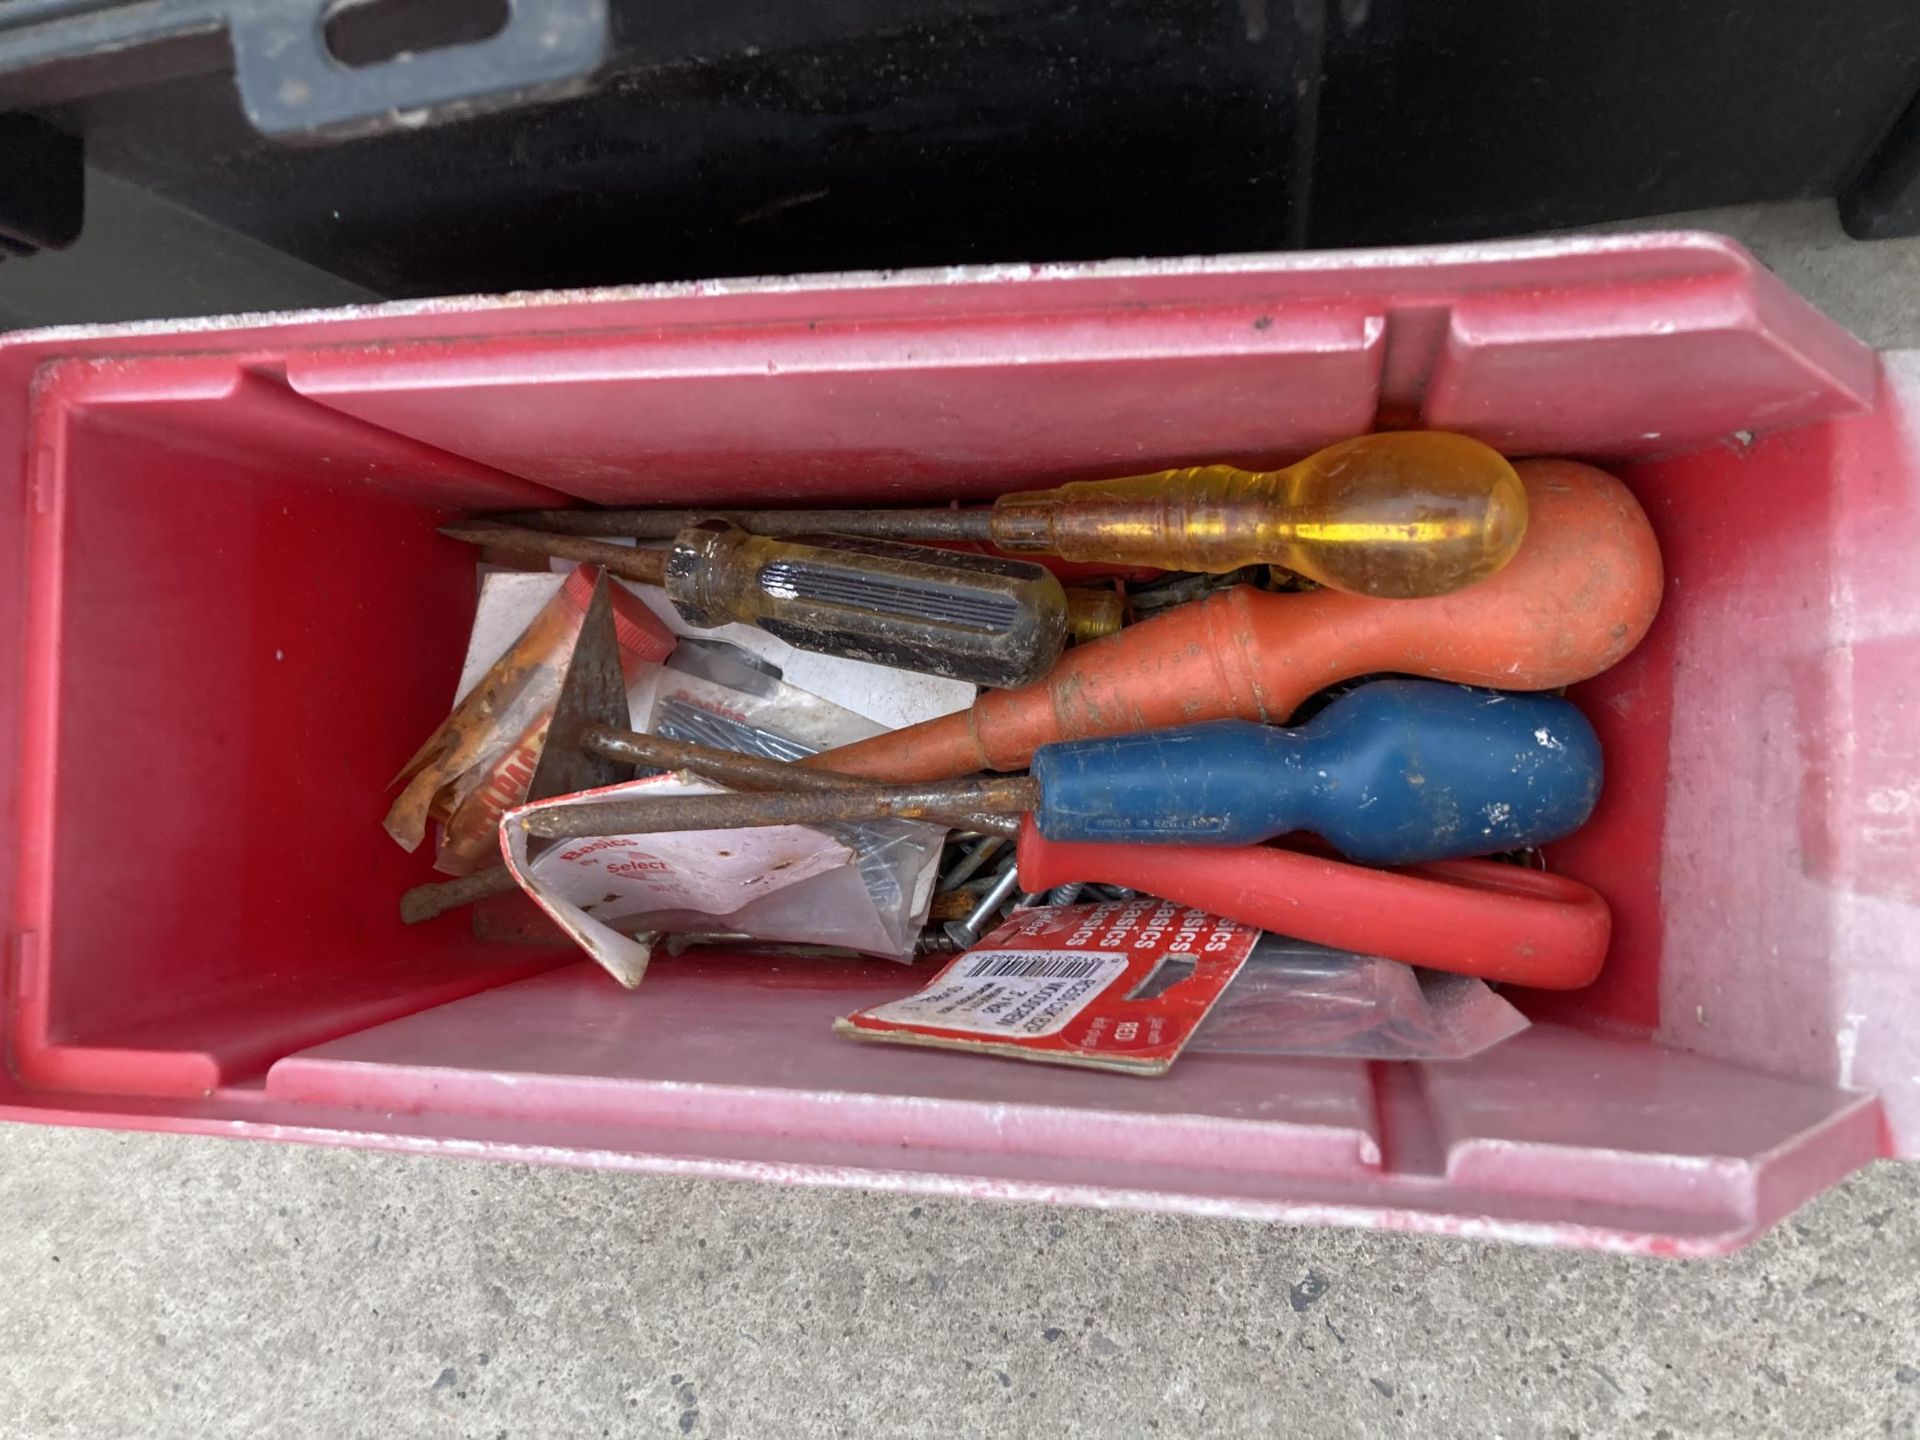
{"x": 1470, "y": 917}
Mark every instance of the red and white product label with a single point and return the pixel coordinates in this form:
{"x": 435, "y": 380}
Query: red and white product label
{"x": 1061, "y": 985}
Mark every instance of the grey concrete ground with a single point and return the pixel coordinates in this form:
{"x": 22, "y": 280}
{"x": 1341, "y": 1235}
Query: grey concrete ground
{"x": 159, "y": 1286}
{"x": 164, "y": 1286}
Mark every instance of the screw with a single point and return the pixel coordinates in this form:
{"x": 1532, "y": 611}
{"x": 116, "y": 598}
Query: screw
{"x": 934, "y": 941}
{"x": 965, "y": 867}
{"x": 965, "y": 932}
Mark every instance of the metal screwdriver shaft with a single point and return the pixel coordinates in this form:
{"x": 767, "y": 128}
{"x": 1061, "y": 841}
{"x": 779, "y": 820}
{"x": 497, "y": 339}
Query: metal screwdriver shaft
{"x": 919, "y": 525}
{"x": 1000, "y": 795}
{"x": 1395, "y": 516}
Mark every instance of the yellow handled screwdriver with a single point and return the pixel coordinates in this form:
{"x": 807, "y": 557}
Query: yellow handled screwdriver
{"x": 1401, "y": 515}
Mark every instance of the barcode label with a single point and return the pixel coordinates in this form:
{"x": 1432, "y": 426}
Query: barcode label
{"x": 1031, "y": 967}
{"x": 1009, "y": 993}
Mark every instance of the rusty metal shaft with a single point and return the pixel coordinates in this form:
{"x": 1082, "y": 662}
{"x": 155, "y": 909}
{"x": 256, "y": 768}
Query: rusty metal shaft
{"x": 749, "y": 772}
{"x": 652, "y": 815}
{"x": 644, "y": 567}
{"x": 665, "y": 524}
{"x": 745, "y": 772}
{"x": 424, "y": 902}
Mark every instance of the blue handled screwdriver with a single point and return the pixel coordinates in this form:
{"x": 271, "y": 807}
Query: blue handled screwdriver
{"x": 1395, "y": 772}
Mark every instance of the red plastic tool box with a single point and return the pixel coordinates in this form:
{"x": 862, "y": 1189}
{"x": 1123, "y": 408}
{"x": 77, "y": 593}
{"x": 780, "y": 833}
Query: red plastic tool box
{"x": 227, "y": 620}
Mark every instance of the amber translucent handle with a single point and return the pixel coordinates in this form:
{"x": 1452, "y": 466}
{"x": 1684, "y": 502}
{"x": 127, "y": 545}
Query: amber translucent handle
{"x": 1394, "y": 516}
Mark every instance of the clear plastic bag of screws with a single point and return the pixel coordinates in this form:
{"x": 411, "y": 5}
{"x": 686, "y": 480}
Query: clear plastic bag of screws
{"x": 1293, "y": 998}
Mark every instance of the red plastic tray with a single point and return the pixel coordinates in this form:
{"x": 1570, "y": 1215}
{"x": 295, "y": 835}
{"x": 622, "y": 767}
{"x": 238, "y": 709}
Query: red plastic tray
{"x": 228, "y": 620}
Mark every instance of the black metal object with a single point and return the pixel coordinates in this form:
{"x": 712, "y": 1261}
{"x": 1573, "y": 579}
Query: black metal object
{"x": 682, "y": 138}
{"x": 1461, "y": 121}
{"x": 1884, "y": 199}
{"x": 42, "y": 186}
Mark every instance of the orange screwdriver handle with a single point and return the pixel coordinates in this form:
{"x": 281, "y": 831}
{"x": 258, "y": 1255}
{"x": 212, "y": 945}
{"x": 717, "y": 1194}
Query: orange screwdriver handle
{"x": 1470, "y": 917}
{"x": 1578, "y": 595}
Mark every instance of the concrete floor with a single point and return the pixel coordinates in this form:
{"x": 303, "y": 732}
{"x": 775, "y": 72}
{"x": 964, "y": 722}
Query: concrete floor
{"x": 164, "y": 1286}
{"x": 161, "y": 1286}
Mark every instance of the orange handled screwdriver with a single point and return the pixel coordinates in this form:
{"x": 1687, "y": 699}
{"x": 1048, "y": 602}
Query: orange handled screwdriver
{"x": 1394, "y": 515}
{"x": 1580, "y": 593}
